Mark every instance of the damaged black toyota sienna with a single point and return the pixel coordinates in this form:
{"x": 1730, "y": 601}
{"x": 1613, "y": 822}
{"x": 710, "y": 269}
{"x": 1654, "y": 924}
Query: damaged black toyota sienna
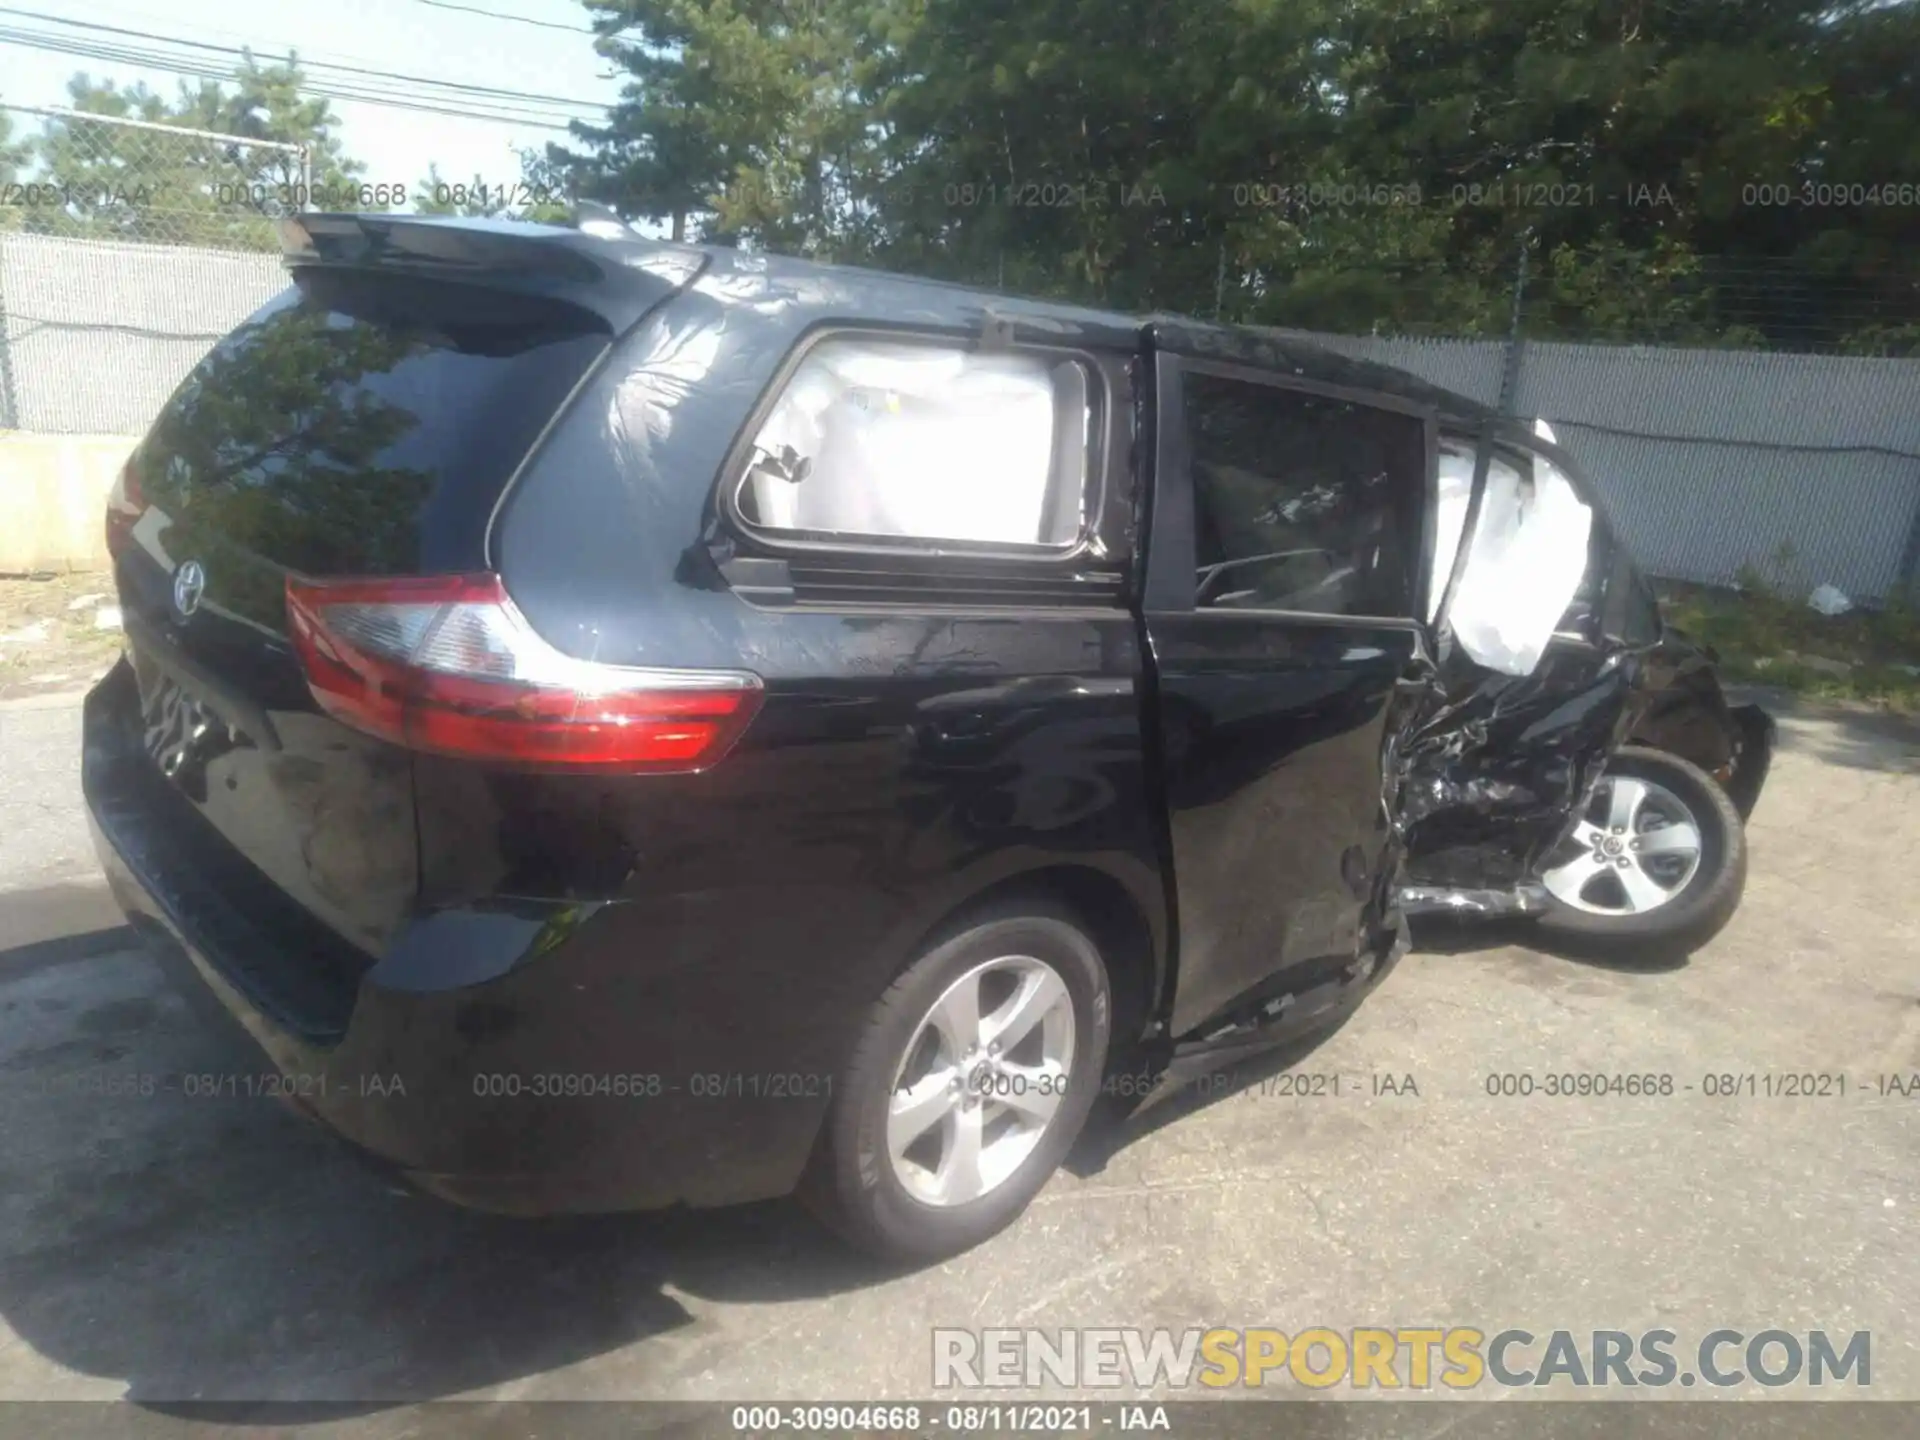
{"x": 624, "y": 724}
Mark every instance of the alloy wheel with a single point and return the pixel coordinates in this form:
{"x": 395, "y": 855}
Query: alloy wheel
{"x": 1637, "y": 847}
{"x": 981, "y": 1080}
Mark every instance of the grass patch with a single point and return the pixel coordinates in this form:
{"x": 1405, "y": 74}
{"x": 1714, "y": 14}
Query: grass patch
{"x": 1767, "y": 635}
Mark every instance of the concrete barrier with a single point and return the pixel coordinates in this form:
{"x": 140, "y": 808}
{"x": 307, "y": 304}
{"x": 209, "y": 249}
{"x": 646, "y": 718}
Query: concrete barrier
{"x": 53, "y": 495}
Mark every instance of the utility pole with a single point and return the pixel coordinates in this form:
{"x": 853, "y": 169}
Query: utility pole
{"x": 8, "y": 419}
{"x": 1510, "y": 374}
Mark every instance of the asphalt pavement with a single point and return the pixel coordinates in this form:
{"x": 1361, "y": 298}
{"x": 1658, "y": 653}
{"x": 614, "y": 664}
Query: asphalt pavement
{"x": 165, "y": 1248}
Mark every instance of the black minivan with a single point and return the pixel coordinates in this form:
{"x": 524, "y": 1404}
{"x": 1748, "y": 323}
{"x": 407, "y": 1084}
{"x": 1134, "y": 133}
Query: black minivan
{"x": 625, "y": 724}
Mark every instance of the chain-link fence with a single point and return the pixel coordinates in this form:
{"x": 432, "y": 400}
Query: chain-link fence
{"x": 95, "y": 334}
{"x": 1736, "y": 414}
{"x": 1710, "y": 461}
{"x": 98, "y": 177}
{"x": 126, "y": 249}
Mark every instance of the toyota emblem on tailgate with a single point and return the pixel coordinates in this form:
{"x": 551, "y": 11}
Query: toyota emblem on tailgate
{"x": 189, "y": 584}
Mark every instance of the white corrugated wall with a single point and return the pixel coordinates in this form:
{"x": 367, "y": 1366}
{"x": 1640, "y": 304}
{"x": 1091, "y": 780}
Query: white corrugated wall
{"x": 98, "y": 333}
{"x": 1707, "y": 459}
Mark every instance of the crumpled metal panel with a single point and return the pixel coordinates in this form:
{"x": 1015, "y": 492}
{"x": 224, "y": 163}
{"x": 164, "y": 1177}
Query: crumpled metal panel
{"x": 1492, "y": 777}
{"x": 1472, "y": 904}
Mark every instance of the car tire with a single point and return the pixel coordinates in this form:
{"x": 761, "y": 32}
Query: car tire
{"x": 913, "y": 1200}
{"x": 1691, "y": 911}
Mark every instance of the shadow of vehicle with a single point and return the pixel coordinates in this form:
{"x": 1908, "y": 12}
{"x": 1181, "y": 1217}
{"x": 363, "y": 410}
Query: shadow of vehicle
{"x": 1854, "y": 736}
{"x": 1118, "y": 1121}
{"x": 168, "y": 1229}
{"x": 1445, "y": 935}
{"x": 223, "y": 1259}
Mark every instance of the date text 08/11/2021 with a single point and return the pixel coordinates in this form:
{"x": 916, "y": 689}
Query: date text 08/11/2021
{"x": 1032, "y": 1418}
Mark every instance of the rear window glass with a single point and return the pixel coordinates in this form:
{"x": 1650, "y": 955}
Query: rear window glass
{"x": 363, "y": 423}
{"x": 898, "y": 441}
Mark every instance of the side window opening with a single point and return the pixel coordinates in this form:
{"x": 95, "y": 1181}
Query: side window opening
{"x": 922, "y": 442}
{"x": 1302, "y": 502}
{"x": 1526, "y": 560}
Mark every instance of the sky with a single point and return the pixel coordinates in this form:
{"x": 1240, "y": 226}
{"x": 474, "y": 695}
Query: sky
{"x": 412, "y": 37}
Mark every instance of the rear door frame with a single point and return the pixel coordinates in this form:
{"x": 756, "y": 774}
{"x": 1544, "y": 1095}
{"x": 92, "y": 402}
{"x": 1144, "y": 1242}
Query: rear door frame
{"x": 1169, "y": 565}
{"x": 1170, "y": 525}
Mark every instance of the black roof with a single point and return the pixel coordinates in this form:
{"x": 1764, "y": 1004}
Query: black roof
{"x": 849, "y": 293}
{"x": 1281, "y": 351}
{"x": 789, "y": 294}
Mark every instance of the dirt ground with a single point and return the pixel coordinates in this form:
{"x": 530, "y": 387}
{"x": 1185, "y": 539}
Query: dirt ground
{"x": 57, "y": 632}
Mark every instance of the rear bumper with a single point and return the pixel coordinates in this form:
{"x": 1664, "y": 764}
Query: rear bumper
{"x": 528, "y": 1058}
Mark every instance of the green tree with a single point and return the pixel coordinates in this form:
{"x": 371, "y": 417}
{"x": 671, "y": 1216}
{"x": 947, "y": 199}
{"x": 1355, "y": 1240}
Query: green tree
{"x": 264, "y": 102}
{"x": 660, "y": 155}
{"x": 15, "y": 156}
{"x": 137, "y": 183}
{"x": 1036, "y": 159}
{"x": 545, "y": 187}
{"x": 746, "y": 119}
{"x": 1374, "y": 163}
{"x": 14, "y": 153}
{"x": 1624, "y": 143}
{"x": 1347, "y": 164}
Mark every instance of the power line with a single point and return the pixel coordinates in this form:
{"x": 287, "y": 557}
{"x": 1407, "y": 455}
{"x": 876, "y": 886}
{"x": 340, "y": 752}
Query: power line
{"x": 484, "y": 92}
{"x": 517, "y": 19}
{"x": 331, "y": 90}
{"x": 463, "y": 87}
{"x": 118, "y": 13}
{"x": 503, "y": 111}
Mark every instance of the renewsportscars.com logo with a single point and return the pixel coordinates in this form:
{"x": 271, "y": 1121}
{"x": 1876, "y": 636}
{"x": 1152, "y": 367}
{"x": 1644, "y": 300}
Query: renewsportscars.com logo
{"x": 1379, "y": 1357}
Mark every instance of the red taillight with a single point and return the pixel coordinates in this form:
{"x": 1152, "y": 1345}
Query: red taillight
{"x": 446, "y": 663}
{"x": 125, "y": 505}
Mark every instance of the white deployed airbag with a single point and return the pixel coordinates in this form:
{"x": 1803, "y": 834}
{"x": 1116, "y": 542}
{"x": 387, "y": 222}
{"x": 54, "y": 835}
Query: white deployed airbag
{"x": 1528, "y": 555}
{"x": 915, "y": 440}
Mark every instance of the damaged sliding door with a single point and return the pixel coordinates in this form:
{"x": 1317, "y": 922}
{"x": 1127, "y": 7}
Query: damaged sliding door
{"x": 1280, "y": 609}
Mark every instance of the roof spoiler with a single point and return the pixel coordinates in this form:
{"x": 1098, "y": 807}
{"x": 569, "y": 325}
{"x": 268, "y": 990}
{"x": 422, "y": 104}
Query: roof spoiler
{"x": 619, "y": 277}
